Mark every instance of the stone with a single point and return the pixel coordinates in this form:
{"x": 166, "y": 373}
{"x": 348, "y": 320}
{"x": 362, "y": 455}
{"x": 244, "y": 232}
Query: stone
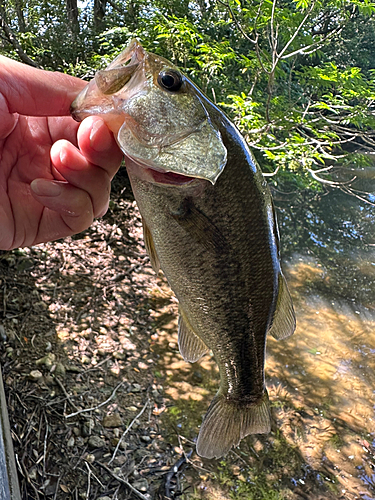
{"x": 140, "y": 485}
{"x": 111, "y": 421}
{"x": 46, "y": 361}
{"x": 60, "y": 370}
{"x": 96, "y": 442}
{"x": 35, "y": 375}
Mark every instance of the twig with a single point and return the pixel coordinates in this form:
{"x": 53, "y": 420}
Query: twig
{"x": 65, "y": 393}
{"x": 127, "y": 430}
{"x": 271, "y": 174}
{"x": 88, "y": 480}
{"x": 236, "y": 21}
{"x": 99, "y": 406}
{"x": 123, "y": 481}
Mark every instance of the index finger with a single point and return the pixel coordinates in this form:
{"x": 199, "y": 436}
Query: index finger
{"x": 35, "y": 92}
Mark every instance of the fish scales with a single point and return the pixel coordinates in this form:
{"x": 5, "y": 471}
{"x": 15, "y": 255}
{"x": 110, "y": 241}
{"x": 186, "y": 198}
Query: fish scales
{"x": 209, "y": 224}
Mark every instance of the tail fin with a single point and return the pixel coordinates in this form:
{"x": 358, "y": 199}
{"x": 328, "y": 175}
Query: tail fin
{"x": 226, "y": 423}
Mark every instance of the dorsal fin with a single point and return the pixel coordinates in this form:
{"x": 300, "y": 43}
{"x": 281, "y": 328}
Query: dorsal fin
{"x": 284, "y": 320}
{"x": 191, "y": 346}
{"x": 150, "y": 247}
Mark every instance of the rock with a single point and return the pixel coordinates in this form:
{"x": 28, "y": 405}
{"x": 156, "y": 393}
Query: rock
{"x": 60, "y": 370}
{"x": 136, "y": 388}
{"x": 110, "y": 421}
{"x": 46, "y": 361}
{"x": 96, "y": 442}
{"x": 140, "y": 485}
{"x": 90, "y": 458}
{"x": 85, "y": 360}
{"x": 120, "y": 460}
{"x": 71, "y": 442}
{"x": 119, "y": 355}
{"x": 35, "y": 375}
{"x": 145, "y": 439}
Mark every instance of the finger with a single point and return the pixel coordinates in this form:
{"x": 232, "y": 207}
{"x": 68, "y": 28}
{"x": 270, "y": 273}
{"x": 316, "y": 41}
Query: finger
{"x": 35, "y": 92}
{"x": 69, "y": 164}
{"x": 98, "y": 145}
{"x": 68, "y": 210}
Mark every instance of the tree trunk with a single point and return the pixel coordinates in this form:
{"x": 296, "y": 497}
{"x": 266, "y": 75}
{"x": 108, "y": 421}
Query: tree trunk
{"x": 21, "y": 19}
{"x": 99, "y": 13}
{"x": 72, "y": 11}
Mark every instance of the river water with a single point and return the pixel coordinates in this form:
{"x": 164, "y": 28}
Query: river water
{"x": 321, "y": 381}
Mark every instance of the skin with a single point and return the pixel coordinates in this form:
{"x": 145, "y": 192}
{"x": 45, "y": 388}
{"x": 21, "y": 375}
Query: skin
{"x": 55, "y": 174}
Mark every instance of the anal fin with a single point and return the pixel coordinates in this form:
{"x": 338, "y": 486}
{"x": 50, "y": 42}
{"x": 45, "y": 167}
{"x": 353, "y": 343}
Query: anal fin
{"x": 150, "y": 247}
{"x": 284, "y": 320}
{"x": 191, "y": 346}
{"x": 226, "y": 423}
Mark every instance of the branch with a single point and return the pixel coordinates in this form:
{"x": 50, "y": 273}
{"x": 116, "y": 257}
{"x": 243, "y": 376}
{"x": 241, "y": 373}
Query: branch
{"x": 123, "y": 481}
{"x": 99, "y": 406}
{"x": 236, "y": 22}
{"x": 127, "y": 430}
{"x": 13, "y": 40}
{"x": 297, "y": 31}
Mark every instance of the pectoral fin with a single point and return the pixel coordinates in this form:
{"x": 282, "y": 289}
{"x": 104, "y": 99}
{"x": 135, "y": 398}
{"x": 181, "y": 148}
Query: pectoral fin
{"x": 191, "y": 346}
{"x": 201, "y": 229}
{"x": 284, "y": 320}
{"x": 150, "y": 247}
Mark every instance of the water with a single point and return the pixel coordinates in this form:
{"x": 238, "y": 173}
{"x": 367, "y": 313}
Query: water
{"x": 321, "y": 381}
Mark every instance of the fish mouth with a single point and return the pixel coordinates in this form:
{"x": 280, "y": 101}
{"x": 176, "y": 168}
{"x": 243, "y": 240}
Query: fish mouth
{"x": 158, "y": 176}
{"x": 96, "y": 97}
{"x": 171, "y": 178}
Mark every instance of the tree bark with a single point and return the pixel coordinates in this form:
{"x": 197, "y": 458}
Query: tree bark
{"x": 21, "y": 18}
{"x": 72, "y": 11}
{"x": 99, "y": 14}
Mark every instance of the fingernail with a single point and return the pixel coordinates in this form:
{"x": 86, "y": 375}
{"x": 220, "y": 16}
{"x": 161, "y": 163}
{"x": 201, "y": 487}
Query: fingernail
{"x": 44, "y": 187}
{"x": 100, "y": 137}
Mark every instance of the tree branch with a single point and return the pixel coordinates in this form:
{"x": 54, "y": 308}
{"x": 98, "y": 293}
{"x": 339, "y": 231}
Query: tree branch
{"x": 13, "y": 40}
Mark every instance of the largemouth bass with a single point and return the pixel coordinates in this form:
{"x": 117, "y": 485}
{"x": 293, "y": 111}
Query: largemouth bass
{"x": 209, "y": 224}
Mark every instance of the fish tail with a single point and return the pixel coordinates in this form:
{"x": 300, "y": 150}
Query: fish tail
{"x": 226, "y": 423}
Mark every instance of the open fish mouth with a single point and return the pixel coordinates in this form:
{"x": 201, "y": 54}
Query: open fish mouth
{"x": 156, "y": 114}
{"x": 157, "y": 176}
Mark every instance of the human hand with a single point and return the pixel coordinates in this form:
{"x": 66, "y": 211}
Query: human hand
{"x": 55, "y": 174}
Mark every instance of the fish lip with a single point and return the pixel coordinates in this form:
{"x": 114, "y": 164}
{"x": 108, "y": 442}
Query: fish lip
{"x": 159, "y": 176}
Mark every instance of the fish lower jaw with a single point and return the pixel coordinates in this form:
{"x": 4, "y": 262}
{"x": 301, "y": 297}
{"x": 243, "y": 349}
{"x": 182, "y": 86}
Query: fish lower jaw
{"x": 149, "y": 174}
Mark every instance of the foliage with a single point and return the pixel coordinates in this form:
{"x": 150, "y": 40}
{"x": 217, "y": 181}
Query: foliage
{"x": 296, "y": 76}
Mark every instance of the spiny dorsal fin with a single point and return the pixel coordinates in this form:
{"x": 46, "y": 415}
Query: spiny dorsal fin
{"x": 150, "y": 247}
{"x": 191, "y": 346}
{"x": 284, "y": 320}
{"x": 226, "y": 423}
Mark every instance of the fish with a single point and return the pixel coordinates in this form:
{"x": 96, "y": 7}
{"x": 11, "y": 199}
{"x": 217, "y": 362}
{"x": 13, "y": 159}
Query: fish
{"x": 209, "y": 223}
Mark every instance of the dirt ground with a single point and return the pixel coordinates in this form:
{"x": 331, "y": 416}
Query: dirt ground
{"x": 96, "y": 387}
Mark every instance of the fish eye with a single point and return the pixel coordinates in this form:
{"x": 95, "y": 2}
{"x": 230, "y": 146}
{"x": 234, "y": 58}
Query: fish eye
{"x": 170, "y": 80}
